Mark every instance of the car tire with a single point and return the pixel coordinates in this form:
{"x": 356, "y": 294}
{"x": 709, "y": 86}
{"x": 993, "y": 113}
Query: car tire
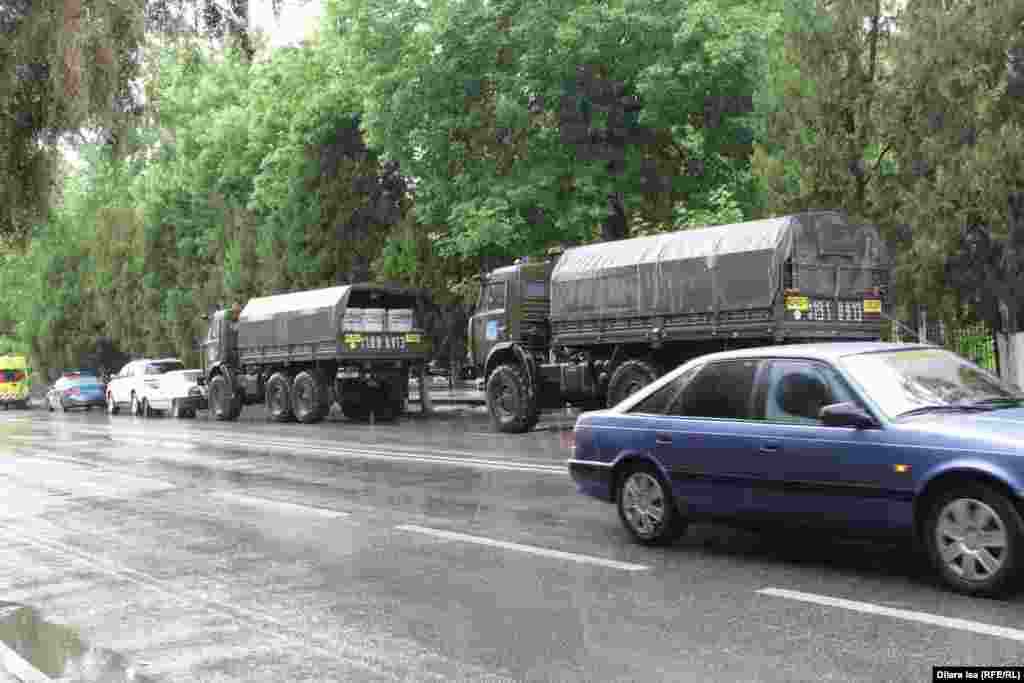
{"x": 309, "y": 398}
{"x": 135, "y": 408}
{"x": 279, "y": 398}
{"x": 512, "y": 409}
{"x": 974, "y": 537}
{"x": 146, "y": 409}
{"x": 647, "y": 506}
{"x": 629, "y": 378}
{"x": 224, "y": 408}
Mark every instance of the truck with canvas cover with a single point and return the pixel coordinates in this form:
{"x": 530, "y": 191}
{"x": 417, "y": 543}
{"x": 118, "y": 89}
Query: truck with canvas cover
{"x": 300, "y": 352}
{"x": 598, "y": 322}
{"x": 15, "y": 381}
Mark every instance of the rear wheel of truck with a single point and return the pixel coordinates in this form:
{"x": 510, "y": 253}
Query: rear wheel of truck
{"x": 629, "y": 378}
{"x": 279, "y": 398}
{"x": 309, "y": 398}
{"x": 508, "y": 401}
{"x": 223, "y": 406}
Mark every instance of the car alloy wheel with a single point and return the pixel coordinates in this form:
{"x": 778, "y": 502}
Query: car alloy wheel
{"x": 644, "y": 503}
{"x": 974, "y": 537}
{"x": 647, "y": 507}
{"x": 971, "y": 538}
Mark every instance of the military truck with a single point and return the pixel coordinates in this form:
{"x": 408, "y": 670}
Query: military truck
{"x": 300, "y": 352}
{"x": 596, "y": 323}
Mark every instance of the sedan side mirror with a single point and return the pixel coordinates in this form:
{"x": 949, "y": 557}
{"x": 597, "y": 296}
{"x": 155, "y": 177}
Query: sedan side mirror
{"x": 846, "y": 415}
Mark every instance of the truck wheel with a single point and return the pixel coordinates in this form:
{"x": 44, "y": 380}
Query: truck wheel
{"x": 222, "y": 405}
{"x": 508, "y": 401}
{"x": 309, "y": 398}
{"x": 279, "y": 397}
{"x": 629, "y": 378}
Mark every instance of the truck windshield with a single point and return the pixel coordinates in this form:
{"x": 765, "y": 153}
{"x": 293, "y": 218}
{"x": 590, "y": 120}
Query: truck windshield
{"x": 493, "y": 296}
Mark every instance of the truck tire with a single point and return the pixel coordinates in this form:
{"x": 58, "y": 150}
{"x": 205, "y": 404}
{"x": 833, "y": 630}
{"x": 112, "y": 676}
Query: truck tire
{"x": 508, "y": 401}
{"x": 630, "y": 377}
{"x": 223, "y": 406}
{"x": 309, "y": 397}
{"x": 279, "y": 398}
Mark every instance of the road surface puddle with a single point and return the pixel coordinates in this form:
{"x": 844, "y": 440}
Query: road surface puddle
{"x": 57, "y": 651}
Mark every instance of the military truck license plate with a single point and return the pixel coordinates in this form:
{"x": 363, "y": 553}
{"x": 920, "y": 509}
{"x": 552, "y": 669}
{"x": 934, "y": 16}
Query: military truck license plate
{"x": 378, "y": 342}
{"x": 829, "y": 310}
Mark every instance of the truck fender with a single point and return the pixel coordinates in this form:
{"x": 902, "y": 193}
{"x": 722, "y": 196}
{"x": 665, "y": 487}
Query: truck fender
{"x": 225, "y": 370}
{"x": 512, "y": 352}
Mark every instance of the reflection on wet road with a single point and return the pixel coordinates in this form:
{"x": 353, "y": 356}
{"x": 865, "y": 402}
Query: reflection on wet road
{"x": 429, "y": 549}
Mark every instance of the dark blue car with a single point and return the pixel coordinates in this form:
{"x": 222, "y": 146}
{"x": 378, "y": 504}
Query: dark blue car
{"x": 868, "y": 439}
{"x": 76, "y": 390}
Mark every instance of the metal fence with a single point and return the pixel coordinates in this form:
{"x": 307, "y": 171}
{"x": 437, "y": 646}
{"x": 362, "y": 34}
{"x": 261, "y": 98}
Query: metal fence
{"x": 975, "y": 342}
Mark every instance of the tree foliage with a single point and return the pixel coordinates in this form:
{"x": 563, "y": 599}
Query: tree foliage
{"x": 526, "y": 124}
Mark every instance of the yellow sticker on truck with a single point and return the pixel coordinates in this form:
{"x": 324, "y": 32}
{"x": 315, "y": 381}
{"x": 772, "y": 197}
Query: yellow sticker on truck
{"x": 872, "y": 305}
{"x": 798, "y": 303}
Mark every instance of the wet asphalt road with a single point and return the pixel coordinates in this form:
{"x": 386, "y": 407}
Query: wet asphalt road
{"x": 431, "y": 549}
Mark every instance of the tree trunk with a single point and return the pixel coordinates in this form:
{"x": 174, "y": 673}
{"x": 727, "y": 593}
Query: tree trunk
{"x": 615, "y": 225}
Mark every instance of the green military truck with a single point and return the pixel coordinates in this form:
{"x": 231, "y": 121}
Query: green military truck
{"x": 598, "y": 322}
{"x": 356, "y": 345}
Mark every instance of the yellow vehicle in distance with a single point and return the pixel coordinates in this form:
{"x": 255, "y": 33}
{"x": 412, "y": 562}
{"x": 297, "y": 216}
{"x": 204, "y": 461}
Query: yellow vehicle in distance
{"x": 15, "y": 381}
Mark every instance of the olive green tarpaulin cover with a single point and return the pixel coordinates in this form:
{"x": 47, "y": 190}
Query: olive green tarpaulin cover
{"x": 727, "y": 267}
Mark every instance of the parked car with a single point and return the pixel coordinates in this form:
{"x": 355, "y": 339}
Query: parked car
{"x": 76, "y": 390}
{"x": 889, "y": 440}
{"x": 180, "y": 392}
{"x": 138, "y": 385}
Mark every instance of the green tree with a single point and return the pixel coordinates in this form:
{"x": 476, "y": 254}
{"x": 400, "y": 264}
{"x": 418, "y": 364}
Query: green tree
{"x": 528, "y": 123}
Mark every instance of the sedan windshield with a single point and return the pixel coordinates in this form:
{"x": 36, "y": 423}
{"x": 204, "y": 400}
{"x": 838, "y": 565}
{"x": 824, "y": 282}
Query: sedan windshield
{"x": 921, "y": 379}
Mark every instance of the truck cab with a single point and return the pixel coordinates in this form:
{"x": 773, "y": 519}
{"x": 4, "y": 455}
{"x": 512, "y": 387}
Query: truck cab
{"x": 513, "y": 307}
{"x": 220, "y": 339}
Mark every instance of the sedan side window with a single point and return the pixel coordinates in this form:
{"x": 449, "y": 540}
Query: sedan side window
{"x": 797, "y": 390}
{"x": 721, "y": 390}
{"x": 659, "y": 402}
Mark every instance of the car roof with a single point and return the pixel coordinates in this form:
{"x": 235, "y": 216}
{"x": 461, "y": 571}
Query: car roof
{"x": 827, "y": 351}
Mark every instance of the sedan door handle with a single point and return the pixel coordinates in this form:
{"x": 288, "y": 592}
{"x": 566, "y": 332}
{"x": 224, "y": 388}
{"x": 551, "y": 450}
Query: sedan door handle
{"x": 771, "y": 447}
{"x": 663, "y": 439}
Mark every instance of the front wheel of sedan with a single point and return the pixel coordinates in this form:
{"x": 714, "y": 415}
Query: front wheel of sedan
{"x": 647, "y": 507}
{"x": 975, "y": 539}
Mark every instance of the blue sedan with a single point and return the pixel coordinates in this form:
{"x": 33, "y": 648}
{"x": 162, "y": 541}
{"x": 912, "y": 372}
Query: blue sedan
{"x": 870, "y": 439}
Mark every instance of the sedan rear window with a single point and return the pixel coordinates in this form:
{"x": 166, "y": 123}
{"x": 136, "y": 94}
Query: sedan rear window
{"x": 721, "y": 390}
{"x": 161, "y": 368}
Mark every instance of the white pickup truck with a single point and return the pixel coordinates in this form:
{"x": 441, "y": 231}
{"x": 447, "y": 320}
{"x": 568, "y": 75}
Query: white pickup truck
{"x": 151, "y": 385}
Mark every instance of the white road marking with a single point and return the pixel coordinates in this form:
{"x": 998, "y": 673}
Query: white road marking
{"x": 531, "y": 549}
{"x": 12, "y": 663}
{"x": 258, "y": 620}
{"x": 278, "y": 505}
{"x": 907, "y": 615}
